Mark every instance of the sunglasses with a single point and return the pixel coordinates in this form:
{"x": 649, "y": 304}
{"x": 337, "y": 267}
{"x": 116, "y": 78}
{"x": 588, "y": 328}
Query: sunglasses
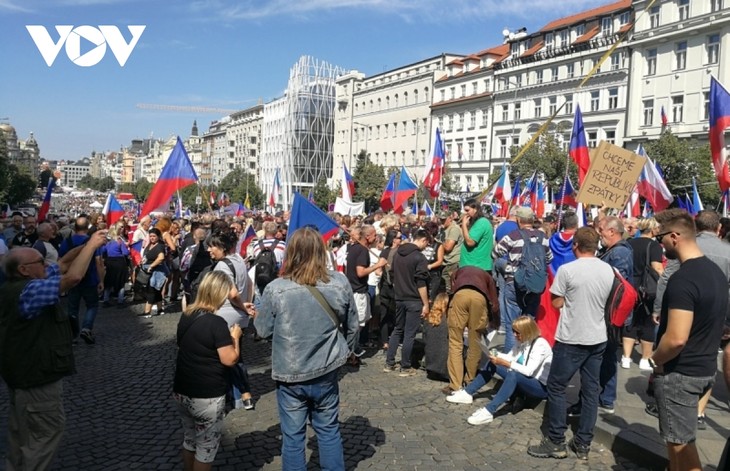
{"x": 661, "y": 236}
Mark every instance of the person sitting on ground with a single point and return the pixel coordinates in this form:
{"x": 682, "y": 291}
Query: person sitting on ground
{"x": 524, "y": 369}
{"x": 436, "y": 338}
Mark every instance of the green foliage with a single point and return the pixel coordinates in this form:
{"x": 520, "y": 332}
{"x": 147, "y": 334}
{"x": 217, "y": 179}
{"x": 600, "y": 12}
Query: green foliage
{"x": 237, "y": 183}
{"x": 324, "y": 195}
{"x": 21, "y": 187}
{"x": 4, "y": 168}
{"x": 547, "y": 157}
{"x": 682, "y": 159}
{"x": 142, "y": 189}
{"x": 127, "y": 188}
{"x": 370, "y": 181}
{"x": 98, "y": 184}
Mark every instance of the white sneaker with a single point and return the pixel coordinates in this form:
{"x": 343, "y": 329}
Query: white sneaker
{"x": 625, "y": 363}
{"x": 460, "y": 397}
{"x": 480, "y": 417}
{"x": 644, "y": 365}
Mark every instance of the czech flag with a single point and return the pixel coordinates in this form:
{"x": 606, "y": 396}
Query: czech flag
{"x": 304, "y": 213}
{"x": 526, "y": 195}
{"x": 427, "y": 209}
{"x": 348, "y": 185}
{"x": 516, "y": 192}
{"x": 578, "y": 146}
{"x": 566, "y": 195}
{"x": 135, "y": 251}
{"x": 432, "y": 179}
{"x": 538, "y": 198}
{"x": 719, "y": 122}
{"x": 665, "y": 120}
{"x": 652, "y": 186}
{"x": 275, "y": 190}
{"x": 386, "y": 201}
{"x": 414, "y": 208}
{"x": 115, "y": 211}
{"x": 222, "y": 198}
{"x": 245, "y": 241}
{"x": 177, "y": 173}
{"x": 406, "y": 189}
{"x": 697, "y": 205}
{"x": 46, "y": 205}
{"x": 503, "y": 192}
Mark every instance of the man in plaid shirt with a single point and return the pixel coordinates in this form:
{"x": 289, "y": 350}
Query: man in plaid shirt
{"x": 35, "y": 349}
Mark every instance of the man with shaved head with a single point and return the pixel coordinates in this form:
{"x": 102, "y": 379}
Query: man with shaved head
{"x": 35, "y": 349}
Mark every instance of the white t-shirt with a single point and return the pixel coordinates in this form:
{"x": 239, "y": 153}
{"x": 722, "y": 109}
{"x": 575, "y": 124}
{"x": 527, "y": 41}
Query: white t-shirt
{"x": 585, "y": 284}
{"x": 373, "y": 277}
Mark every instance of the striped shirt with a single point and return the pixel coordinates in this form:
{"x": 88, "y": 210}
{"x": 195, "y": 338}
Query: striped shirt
{"x": 512, "y": 245}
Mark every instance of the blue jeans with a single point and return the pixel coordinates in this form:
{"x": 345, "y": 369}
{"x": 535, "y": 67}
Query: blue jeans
{"x": 91, "y": 299}
{"x": 513, "y": 304}
{"x": 239, "y": 384}
{"x": 513, "y": 381}
{"x": 319, "y": 399}
{"x": 609, "y": 375}
{"x": 407, "y": 321}
{"x": 567, "y": 360}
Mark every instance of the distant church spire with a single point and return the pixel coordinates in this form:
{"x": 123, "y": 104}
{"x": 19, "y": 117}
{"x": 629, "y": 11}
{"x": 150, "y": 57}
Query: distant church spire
{"x": 195, "y": 128}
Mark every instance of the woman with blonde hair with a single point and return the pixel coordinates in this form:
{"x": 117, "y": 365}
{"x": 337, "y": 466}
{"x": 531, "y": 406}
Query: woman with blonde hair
{"x": 302, "y": 311}
{"x": 524, "y": 369}
{"x": 206, "y": 350}
{"x": 436, "y": 338}
{"x": 116, "y": 261}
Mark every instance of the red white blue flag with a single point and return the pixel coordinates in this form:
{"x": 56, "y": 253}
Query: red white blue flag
{"x": 566, "y": 195}
{"x": 406, "y": 188}
{"x": 665, "y": 119}
{"x": 275, "y": 190}
{"x": 177, "y": 173}
{"x": 386, "y": 201}
{"x": 579, "y": 147}
{"x": 46, "y": 205}
{"x": 245, "y": 241}
{"x": 719, "y": 122}
{"x": 348, "y": 184}
{"x": 652, "y": 186}
{"x": 304, "y": 213}
{"x": 115, "y": 211}
{"x": 432, "y": 180}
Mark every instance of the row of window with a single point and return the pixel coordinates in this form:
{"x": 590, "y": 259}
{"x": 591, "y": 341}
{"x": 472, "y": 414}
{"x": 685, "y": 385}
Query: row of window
{"x": 558, "y": 72}
{"x": 711, "y": 56}
{"x": 681, "y": 13}
{"x": 676, "y": 112}
{"x": 377, "y": 105}
{"x": 374, "y": 132}
{"x": 552, "y": 105}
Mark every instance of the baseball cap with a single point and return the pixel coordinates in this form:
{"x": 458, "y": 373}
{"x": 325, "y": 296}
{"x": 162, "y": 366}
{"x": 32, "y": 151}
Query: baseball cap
{"x": 524, "y": 212}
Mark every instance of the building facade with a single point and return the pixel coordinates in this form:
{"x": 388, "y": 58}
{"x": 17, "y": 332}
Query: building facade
{"x": 388, "y": 116}
{"x": 298, "y": 130}
{"x": 676, "y": 47}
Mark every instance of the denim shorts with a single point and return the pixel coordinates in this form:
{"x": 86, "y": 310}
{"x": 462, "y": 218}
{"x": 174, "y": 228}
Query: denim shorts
{"x": 202, "y": 421}
{"x": 677, "y": 396}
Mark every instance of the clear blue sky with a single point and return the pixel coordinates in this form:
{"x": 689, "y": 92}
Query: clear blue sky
{"x": 221, "y": 53}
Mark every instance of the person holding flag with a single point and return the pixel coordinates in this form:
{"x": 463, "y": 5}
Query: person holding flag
{"x": 432, "y": 179}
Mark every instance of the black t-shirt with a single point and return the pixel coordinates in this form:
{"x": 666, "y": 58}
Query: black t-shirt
{"x": 25, "y": 240}
{"x": 199, "y": 372}
{"x": 639, "y": 245}
{"x": 698, "y": 286}
{"x": 357, "y": 255}
{"x": 151, "y": 254}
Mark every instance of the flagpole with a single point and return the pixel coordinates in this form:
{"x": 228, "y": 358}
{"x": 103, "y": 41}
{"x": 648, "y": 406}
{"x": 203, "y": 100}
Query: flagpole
{"x": 562, "y": 190}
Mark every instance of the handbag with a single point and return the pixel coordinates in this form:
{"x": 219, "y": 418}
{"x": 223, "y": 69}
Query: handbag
{"x": 142, "y": 277}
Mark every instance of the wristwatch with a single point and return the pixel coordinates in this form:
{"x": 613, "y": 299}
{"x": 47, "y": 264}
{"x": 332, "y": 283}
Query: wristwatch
{"x": 652, "y": 363}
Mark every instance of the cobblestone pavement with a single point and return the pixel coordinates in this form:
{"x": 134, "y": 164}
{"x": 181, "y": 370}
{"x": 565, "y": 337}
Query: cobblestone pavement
{"x": 120, "y": 414}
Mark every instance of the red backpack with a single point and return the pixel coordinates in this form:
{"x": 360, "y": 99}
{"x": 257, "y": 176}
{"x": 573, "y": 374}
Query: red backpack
{"x": 620, "y": 303}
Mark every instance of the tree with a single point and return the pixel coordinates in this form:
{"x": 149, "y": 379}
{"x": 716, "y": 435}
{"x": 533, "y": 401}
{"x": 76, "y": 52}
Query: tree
{"x": 548, "y": 158}
{"x": 105, "y": 184}
{"x": 370, "y": 181}
{"x": 237, "y": 183}
{"x": 21, "y": 188}
{"x": 126, "y": 188}
{"x": 87, "y": 181}
{"x": 324, "y": 195}
{"x": 142, "y": 189}
{"x": 682, "y": 159}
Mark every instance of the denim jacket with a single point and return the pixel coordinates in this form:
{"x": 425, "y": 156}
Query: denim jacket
{"x": 305, "y": 344}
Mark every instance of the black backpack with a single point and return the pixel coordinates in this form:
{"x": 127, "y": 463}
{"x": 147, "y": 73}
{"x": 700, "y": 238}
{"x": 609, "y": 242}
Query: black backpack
{"x": 649, "y": 279}
{"x": 531, "y": 273}
{"x": 196, "y": 282}
{"x": 266, "y": 269}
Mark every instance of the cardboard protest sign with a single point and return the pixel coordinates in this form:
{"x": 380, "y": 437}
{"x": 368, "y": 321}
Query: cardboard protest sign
{"x": 611, "y": 176}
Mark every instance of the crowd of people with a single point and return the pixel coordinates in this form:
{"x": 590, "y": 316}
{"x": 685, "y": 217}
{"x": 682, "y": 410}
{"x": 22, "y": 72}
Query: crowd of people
{"x": 459, "y": 278}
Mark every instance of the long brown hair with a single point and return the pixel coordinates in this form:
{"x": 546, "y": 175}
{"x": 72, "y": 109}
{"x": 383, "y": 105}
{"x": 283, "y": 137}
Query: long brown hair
{"x": 305, "y": 262}
{"x": 439, "y": 307}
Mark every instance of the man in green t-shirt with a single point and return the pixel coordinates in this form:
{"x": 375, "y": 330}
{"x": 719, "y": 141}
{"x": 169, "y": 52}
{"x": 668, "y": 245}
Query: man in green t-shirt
{"x": 478, "y": 237}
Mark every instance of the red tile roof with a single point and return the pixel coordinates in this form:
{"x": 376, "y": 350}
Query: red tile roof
{"x": 500, "y": 50}
{"x": 590, "y": 34}
{"x": 535, "y": 47}
{"x": 588, "y": 14}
